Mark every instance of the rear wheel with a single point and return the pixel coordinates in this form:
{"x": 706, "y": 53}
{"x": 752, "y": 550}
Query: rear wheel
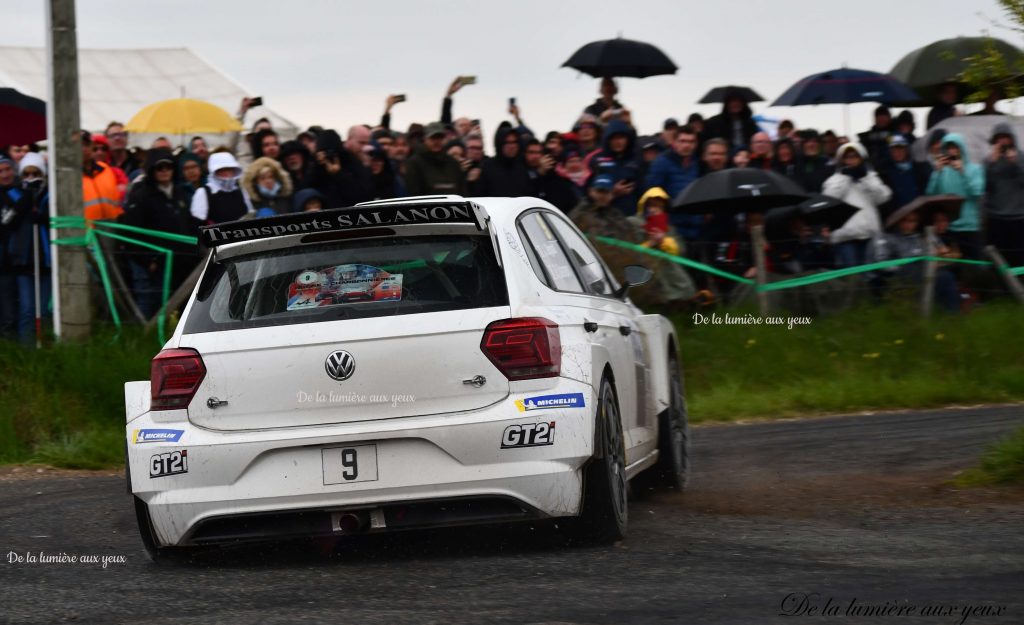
{"x": 673, "y": 468}
{"x": 603, "y": 517}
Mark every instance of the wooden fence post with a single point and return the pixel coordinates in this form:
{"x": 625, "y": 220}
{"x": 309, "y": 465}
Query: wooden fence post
{"x": 930, "y": 267}
{"x": 1001, "y": 267}
{"x": 758, "y": 241}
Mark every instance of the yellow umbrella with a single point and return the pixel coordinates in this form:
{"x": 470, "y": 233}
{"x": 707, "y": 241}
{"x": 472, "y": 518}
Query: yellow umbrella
{"x": 182, "y": 116}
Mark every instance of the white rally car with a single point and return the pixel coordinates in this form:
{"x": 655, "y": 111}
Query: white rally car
{"x": 403, "y": 364}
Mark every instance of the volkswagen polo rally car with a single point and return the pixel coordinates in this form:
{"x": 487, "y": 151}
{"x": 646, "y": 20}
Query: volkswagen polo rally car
{"x": 491, "y": 369}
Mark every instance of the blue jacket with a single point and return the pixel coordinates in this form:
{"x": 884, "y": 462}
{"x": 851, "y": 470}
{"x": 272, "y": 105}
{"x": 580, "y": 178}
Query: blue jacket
{"x": 31, "y": 208}
{"x": 970, "y": 183}
{"x": 668, "y": 172}
{"x": 622, "y": 166}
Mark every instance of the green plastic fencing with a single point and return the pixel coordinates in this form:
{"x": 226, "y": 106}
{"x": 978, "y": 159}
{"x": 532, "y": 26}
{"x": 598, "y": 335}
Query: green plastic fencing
{"x": 94, "y": 229}
{"x": 823, "y": 276}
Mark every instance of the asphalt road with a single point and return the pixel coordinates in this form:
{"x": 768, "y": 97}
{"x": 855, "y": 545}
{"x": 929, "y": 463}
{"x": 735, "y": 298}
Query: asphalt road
{"x": 845, "y": 509}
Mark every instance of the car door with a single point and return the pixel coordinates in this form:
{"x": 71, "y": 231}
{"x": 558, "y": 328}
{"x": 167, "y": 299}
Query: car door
{"x": 632, "y": 377}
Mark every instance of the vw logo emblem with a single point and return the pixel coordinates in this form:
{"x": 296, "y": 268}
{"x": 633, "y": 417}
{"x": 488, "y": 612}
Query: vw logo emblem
{"x": 340, "y": 365}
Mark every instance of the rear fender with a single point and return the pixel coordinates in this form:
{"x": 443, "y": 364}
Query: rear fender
{"x": 136, "y": 400}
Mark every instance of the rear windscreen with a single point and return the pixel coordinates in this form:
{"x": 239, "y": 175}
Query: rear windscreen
{"x": 348, "y": 280}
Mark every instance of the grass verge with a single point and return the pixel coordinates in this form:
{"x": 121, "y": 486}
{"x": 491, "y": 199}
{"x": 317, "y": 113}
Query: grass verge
{"x": 884, "y": 357}
{"x": 1002, "y": 463}
{"x": 64, "y": 405}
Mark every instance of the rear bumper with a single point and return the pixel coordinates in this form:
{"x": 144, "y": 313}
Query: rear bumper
{"x": 242, "y": 479}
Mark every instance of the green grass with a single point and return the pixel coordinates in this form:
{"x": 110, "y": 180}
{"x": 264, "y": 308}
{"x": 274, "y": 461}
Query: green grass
{"x": 1002, "y": 463}
{"x": 64, "y": 405}
{"x": 870, "y": 358}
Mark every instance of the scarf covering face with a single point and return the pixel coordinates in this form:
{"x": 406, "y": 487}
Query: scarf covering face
{"x": 226, "y": 185}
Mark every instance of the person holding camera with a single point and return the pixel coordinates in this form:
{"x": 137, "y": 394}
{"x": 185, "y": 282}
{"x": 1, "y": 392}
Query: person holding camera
{"x": 1004, "y": 196}
{"x": 954, "y": 173}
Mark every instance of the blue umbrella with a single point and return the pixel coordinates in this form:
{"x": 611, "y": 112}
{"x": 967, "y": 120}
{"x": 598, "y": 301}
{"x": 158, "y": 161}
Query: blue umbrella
{"x": 845, "y": 86}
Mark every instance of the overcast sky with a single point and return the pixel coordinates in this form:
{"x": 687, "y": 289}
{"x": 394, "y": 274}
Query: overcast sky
{"x": 332, "y": 62}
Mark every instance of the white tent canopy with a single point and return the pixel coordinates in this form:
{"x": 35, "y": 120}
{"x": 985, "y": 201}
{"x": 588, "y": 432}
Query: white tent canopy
{"x": 116, "y": 84}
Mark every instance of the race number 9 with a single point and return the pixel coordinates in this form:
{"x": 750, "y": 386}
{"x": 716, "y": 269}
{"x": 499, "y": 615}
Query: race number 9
{"x": 349, "y": 461}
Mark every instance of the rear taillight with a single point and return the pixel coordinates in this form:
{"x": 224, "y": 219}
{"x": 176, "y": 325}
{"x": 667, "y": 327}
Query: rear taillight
{"x": 175, "y": 375}
{"x": 524, "y": 348}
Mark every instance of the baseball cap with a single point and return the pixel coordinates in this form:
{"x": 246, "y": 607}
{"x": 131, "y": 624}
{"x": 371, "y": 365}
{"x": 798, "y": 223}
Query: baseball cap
{"x": 670, "y": 123}
{"x": 602, "y": 182}
{"x": 433, "y": 129}
{"x": 898, "y": 139}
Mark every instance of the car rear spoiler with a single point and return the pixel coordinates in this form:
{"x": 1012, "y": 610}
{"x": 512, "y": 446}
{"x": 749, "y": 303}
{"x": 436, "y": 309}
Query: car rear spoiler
{"x": 346, "y": 219}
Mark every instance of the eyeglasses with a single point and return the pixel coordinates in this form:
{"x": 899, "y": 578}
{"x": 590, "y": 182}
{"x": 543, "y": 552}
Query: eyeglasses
{"x": 164, "y": 167}
{"x": 117, "y": 135}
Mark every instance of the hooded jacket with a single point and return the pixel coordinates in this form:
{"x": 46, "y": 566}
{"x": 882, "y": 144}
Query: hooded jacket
{"x": 266, "y": 203}
{"x": 30, "y": 203}
{"x": 970, "y": 183}
{"x": 148, "y": 206}
{"x": 221, "y": 199}
{"x": 725, "y": 126}
{"x": 304, "y": 195}
{"x": 502, "y": 176}
{"x": 866, "y": 193}
{"x": 1004, "y": 182}
{"x": 189, "y": 157}
{"x": 619, "y": 166}
{"x": 299, "y": 178}
{"x": 350, "y": 185}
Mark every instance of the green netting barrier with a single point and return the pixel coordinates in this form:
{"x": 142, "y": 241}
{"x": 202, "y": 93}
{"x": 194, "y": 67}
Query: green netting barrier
{"x": 802, "y": 280}
{"x": 101, "y": 228}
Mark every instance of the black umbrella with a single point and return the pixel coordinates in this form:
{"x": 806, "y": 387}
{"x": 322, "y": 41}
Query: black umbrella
{"x": 845, "y": 86}
{"x": 739, "y": 191}
{"x": 824, "y": 210}
{"x": 817, "y": 210}
{"x": 611, "y": 58}
{"x": 719, "y": 94}
{"x": 928, "y": 68}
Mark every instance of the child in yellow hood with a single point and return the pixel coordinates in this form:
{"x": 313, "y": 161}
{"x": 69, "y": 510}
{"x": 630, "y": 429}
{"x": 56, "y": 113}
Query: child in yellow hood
{"x": 652, "y": 209}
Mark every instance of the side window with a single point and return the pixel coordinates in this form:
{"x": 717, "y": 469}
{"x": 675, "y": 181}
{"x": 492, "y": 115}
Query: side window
{"x": 550, "y": 254}
{"x": 591, "y": 269}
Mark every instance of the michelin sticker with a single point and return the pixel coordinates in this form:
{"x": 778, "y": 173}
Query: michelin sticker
{"x": 544, "y": 402}
{"x": 157, "y": 436}
{"x": 528, "y": 435}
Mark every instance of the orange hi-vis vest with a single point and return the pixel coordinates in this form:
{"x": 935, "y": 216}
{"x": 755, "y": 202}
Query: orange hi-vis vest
{"x": 101, "y": 195}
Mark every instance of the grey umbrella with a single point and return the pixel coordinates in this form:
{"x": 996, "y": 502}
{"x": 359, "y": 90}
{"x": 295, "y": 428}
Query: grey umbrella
{"x": 927, "y": 68}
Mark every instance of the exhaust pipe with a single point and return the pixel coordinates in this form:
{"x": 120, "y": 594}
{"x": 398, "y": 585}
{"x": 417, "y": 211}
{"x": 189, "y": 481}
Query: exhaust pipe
{"x": 348, "y": 522}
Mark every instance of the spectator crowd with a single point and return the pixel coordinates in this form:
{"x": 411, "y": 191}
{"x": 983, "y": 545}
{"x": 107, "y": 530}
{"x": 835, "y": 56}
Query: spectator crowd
{"x": 606, "y": 176}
